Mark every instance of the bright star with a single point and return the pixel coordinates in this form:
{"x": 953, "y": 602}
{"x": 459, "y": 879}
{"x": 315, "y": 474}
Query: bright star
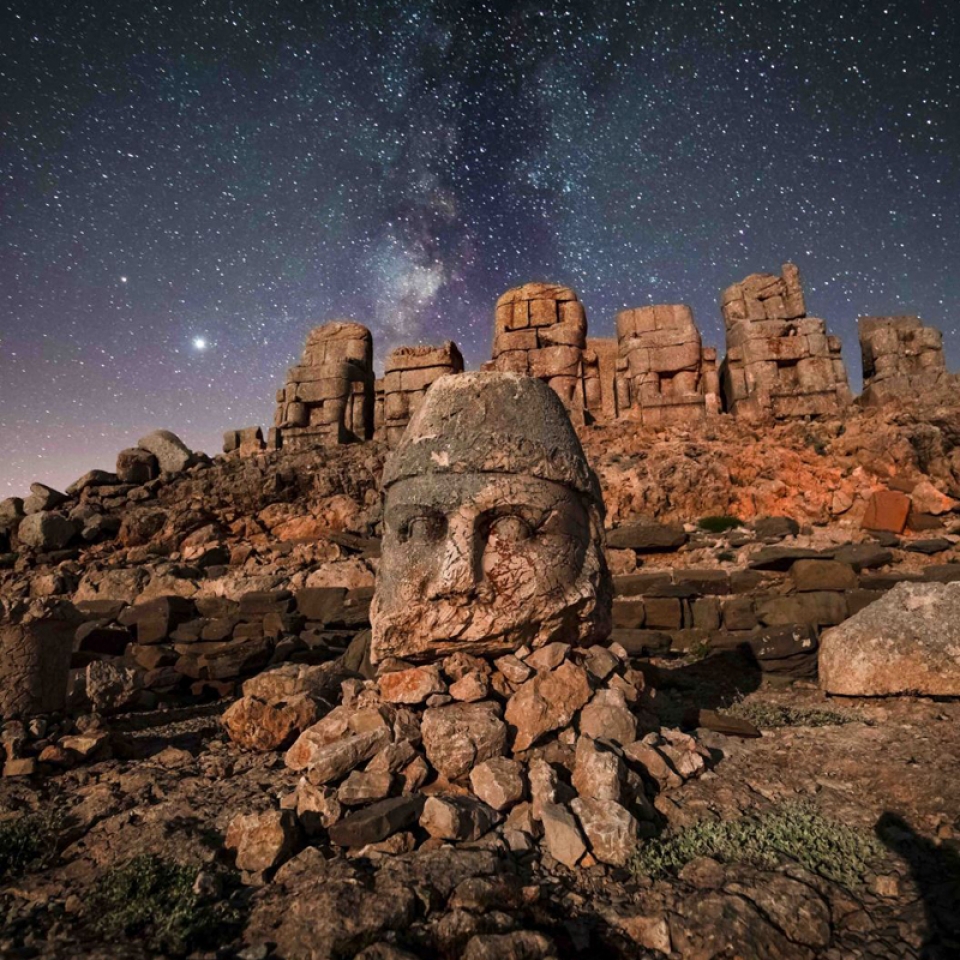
{"x": 199, "y": 343}
{"x": 123, "y": 279}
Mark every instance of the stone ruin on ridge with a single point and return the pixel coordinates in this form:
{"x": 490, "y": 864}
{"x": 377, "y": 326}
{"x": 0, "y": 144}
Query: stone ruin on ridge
{"x": 328, "y": 398}
{"x": 901, "y": 358}
{"x": 408, "y": 374}
{"x": 780, "y": 364}
{"x": 540, "y": 331}
{"x": 779, "y": 361}
{"x": 664, "y": 373}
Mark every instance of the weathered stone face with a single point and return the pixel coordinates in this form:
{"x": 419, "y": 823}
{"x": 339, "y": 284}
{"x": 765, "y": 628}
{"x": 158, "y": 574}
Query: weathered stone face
{"x": 486, "y": 560}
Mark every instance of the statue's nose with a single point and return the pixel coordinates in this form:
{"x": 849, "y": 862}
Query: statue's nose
{"x": 458, "y": 573}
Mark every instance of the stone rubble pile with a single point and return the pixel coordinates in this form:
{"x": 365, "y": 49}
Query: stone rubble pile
{"x": 328, "y": 398}
{"x": 779, "y": 361}
{"x": 556, "y": 748}
{"x": 665, "y": 375}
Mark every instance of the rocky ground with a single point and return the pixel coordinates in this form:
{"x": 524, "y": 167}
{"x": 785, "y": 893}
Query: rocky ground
{"x": 888, "y": 885}
{"x": 834, "y": 834}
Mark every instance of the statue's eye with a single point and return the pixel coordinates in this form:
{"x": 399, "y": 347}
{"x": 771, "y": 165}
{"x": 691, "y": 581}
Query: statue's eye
{"x": 426, "y": 529}
{"x": 511, "y": 529}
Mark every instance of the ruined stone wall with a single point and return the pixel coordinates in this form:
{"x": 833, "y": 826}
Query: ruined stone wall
{"x": 329, "y": 397}
{"x": 901, "y": 358}
{"x": 664, "y": 374}
{"x": 779, "y": 361}
{"x": 541, "y": 331}
{"x": 408, "y": 374}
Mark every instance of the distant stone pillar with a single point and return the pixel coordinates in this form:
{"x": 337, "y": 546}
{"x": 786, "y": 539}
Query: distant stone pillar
{"x": 36, "y": 643}
{"x": 902, "y": 358}
{"x": 329, "y": 397}
{"x": 780, "y": 363}
{"x": 541, "y": 331}
{"x": 665, "y": 375}
{"x": 408, "y": 374}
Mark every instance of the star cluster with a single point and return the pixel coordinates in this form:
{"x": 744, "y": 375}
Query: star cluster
{"x": 188, "y": 187}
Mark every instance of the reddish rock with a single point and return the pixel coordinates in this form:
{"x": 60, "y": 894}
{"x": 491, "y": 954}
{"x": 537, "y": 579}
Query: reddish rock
{"x": 268, "y": 726}
{"x": 411, "y": 686}
{"x": 263, "y": 841}
{"x": 546, "y": 702}
{"x": 459, "y": 736}
{"x": 887, "y": 510}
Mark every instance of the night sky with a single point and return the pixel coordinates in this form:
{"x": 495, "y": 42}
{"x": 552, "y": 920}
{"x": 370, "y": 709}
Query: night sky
{"x": 186, "y": 188}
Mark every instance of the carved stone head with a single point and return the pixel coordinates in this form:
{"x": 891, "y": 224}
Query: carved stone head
{"x": 493, "y": 526}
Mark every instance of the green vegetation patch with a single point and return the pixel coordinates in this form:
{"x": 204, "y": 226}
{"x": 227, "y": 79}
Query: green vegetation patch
{"x": 29, "y": 840}
{"x": 154, "y": 899}
{"x": 769, "y": 716}
{"x": 794, "y": 830}
{"x": 719, "y": 524}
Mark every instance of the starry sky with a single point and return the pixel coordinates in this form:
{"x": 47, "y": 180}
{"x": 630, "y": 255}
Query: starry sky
{"x": 187, "y": 187}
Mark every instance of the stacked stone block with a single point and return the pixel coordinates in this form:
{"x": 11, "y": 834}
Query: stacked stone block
{"x": 664, "y": 374}
{"x": 779, "y": 362}
{"x": 902, "y": 358}
{"x": 599, "y": 377}
{"x": 408, "y": 374}
{"x": 541, "y": 331}
{"x": 329, "y": 397}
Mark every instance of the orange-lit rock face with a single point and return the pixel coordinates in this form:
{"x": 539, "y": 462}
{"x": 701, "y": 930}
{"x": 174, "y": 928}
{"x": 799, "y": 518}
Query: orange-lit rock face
{"x": 481, "y": 560}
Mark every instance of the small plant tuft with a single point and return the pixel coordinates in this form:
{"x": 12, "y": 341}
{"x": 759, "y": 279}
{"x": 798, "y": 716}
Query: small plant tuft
{"x": 153, "y": 898}
{"x": 795, "y": 831}
{"x": 771, "y": 716}
{"x": 719, "y": 524}
{"x": 28, "y": 841}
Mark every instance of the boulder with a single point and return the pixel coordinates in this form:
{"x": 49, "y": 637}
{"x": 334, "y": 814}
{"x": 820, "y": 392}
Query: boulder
{"x": 457, "y": 818}
{"x": 887, "y": 510}
{"x": 42, "y": 498}
{"x": 172, "y": 454}
{"x": 377, "y": 822}
{"x": 268, "y": 726}
{"x": 907, "y": 642}
{"x": 546, "y": 702}
{"x": 138, "y": 466}
{"x": 263, "y": 841}
{"x": 610, "y": 828}
{"x": 647, "y": 536}
{"x": 459, "y": 736}
{"x": 92, "y": 478}
{"x": 46, "y": 531}
{"x": 499, "y": 782}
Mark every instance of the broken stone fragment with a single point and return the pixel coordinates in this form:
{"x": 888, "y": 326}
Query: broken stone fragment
{"x": 598, "y": 772}
{"x": 377, "y": 822}
{"x": 607, "y": 717}
{"x": 459, "y": 736}
{"x": 365, "y": 786}
{"x": 256, "y": 725}
{"x": 42, "y": 498}
{"x": 414, "y": 685}
{"x": 561, "y": 834}
{"x": 470, "y": 687}
{"x": 610, "y": 828}
{"x": 907, "y": 642}
{"x": 499, "y": 782}
{"x": 457, "y": 818}
{"x": 546, "y": 702}
{"x": 333, "y": 761}
{"x": 514, "y": 669}
{"x": 263, "y": 841}
{"x": 543, "y": 785}
{"x": 172, "y": 454}
{"x": 317, "y": 807}
{"x": 136, "y": 466}
{"x": 46, "y": 531}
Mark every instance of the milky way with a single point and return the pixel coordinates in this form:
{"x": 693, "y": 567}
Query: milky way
{"x": 188, "y": 187}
